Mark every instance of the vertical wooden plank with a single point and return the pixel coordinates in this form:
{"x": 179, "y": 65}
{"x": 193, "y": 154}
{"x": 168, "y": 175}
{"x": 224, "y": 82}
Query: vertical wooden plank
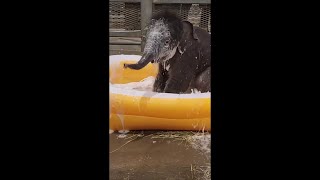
{"x": 146, "y": 14}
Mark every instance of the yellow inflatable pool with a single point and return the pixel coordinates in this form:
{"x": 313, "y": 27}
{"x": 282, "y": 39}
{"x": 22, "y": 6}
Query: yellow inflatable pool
{"x": 145, "y": 110}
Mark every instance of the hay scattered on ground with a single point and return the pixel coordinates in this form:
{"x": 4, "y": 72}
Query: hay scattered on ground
{"x": 131, "y": 138}
{"x": 201, "y": 172}
{"x": 200, "y": 141}
{"x": 197, "y": 140}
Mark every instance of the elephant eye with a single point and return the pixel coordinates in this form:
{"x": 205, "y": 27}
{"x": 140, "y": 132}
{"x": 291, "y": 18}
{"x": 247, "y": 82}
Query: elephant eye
{"x": 167, "y": 42}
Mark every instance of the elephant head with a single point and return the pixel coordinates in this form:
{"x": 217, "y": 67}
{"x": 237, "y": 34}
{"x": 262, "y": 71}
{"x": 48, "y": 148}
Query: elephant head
{"x": 164, "y": 34}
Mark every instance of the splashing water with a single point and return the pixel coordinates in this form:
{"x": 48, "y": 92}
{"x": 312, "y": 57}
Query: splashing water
{"x": 122, "y": 132}
{"x": 121, "y": 120}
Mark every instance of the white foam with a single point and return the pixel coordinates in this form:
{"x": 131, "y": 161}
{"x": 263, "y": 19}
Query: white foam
{"x": 158, "y": 30}
{"x": 195, "y": 91}
{"x": 144, "y": 85}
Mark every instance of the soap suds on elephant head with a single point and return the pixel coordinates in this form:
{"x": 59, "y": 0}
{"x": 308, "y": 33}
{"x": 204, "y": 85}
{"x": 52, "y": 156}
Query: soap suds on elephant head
{"x": 144, "y": 85}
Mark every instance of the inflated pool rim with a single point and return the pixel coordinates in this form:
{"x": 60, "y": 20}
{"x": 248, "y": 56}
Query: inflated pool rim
{"x": 114, "y": 60}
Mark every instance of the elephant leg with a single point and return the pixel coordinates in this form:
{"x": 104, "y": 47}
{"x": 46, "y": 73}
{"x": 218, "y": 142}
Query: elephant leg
{"x": 203, "y": 81}
{"x": 178, "y": 83}
{"x": 192, "y": 86}
{"x": 160, "y": 81}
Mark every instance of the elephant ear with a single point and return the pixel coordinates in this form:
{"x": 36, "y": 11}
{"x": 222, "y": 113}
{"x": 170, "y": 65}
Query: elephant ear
{"x": 189, "y": 30}
{"x": 188, "y": 34}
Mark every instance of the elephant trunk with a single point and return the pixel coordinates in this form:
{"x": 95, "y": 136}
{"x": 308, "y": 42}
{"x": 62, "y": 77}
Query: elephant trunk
{"x": 145, "y": 59}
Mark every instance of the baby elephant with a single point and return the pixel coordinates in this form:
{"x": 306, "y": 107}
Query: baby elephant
{"x": 182, "y": 51}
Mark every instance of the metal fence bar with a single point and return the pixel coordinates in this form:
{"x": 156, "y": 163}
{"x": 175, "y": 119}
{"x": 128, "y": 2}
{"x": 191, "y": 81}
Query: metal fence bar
{"x": 136, "y": 33}
{"x": 125, "y": 40}
{"x": 129, "y": 1}
{"x": 167, "y": 1}
{"x": 146, "y": 14}
{"x": 182, "y": 1}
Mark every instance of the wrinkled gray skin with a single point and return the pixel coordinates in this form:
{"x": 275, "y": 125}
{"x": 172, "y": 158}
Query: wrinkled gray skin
{"x": 183, "y": 64}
